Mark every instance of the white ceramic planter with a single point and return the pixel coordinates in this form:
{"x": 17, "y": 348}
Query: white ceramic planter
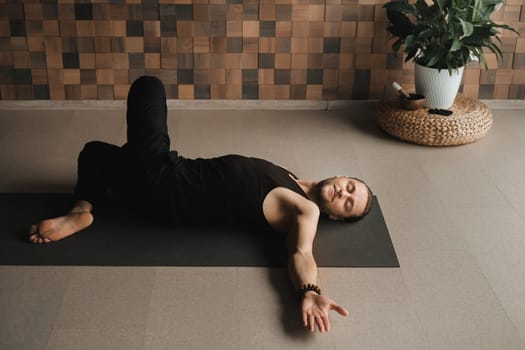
{"x": 438, "y": 86}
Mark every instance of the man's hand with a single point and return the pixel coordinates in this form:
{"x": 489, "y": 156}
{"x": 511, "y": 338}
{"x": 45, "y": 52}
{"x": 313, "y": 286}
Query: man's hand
{"x": 315, "y": 310}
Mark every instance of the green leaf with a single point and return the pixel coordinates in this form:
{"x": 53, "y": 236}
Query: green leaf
{"x": 432, "y": 61}
{"x": 440, "y": 3}
{"x": 492, "y": 2}
{"x": 504, "y": 26}
{"x": 426, "y": 33}
{"x": 410, "y": 54}
{"x": 401, "y": 7}
{"x": 494, "y": 48}
{"x": 410, "y": 41}
{"x": 456, "y": 45}
{"x": 467, "y": 27}
{"x": 397, "y": 45}
{"x": 426, "y": 11}
{"x": 476, "y": 11}
{"x": 484, "y": 61}
{"x": 401, "y": 25}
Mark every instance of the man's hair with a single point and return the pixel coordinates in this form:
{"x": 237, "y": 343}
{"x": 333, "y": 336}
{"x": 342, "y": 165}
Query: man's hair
{"x": 368, "y": 205}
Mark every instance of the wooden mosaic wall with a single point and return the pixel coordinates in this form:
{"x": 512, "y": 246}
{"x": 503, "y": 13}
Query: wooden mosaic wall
{"x": 222, "y": 49}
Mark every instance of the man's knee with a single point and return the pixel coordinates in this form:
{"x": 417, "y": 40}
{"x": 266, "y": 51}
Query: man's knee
{"x": 93, "y": 150}
{"x": 147, "y": 85}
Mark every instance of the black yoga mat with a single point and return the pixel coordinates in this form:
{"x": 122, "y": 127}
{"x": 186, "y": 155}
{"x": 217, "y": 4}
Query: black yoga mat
{"x": 119, "y": 237}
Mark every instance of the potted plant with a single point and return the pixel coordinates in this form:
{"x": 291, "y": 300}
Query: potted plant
{"x": 442, "y": 36}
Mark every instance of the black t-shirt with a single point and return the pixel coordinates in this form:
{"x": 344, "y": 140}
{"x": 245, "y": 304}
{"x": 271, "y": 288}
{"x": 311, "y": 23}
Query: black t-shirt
{"x": 223, "y": 191}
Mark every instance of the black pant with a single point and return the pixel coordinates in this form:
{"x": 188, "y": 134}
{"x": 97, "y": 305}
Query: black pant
{"x": 133, "y": 169}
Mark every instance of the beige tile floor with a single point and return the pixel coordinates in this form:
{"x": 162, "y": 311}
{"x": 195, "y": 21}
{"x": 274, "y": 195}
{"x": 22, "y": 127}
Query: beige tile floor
{"x": 456, "y": 216}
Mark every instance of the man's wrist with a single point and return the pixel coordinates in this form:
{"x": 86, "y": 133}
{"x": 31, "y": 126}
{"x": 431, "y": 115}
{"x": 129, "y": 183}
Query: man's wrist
{"x": 308, "y": 289}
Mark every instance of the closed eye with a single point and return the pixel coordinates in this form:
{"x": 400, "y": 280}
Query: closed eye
{"x": 348, "y": 205}
{"x": 350, "y": 187}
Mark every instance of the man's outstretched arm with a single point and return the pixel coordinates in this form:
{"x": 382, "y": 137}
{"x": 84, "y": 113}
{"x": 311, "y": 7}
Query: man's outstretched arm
{"x": 303, "y": 271}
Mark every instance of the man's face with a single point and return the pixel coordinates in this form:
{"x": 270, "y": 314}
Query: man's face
{"x": 341, "y": 197}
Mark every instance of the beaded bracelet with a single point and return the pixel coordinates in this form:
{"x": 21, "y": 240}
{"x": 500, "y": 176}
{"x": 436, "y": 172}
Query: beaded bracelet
{"x": 308, "y": 287}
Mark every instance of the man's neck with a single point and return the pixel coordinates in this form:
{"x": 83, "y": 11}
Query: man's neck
{"x": 309, "y": 187}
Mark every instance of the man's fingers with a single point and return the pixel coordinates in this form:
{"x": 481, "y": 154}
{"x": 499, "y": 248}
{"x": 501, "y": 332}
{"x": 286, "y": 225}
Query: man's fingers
{"x": 326, "y": 322}
{"x": 320, "y": 323}
{"x": 311, "y": 322}
{"x": 318, "y": 317}
{"x": 341, "y": 310}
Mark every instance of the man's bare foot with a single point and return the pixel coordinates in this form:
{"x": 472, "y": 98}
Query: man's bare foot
{"x": 58, "y": 228}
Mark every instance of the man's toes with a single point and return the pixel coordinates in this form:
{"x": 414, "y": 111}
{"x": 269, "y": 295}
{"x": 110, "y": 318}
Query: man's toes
{"x": 36, "y": 238}
{"x": 32, "y": 229}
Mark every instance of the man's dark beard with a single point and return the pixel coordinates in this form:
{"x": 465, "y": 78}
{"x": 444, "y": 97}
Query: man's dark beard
{"x": 318, "y": 191}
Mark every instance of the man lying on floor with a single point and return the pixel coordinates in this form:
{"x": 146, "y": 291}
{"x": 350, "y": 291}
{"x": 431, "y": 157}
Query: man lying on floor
{"x": 225, "y": 191}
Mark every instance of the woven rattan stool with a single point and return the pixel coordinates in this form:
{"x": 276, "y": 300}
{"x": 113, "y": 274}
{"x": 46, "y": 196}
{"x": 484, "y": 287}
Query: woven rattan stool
{"x": 470, "y": 121}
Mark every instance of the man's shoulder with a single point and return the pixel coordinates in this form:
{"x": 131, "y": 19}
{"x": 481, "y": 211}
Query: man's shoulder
{"x": 297, "y": 203}
{"x": 283, "y": 208}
